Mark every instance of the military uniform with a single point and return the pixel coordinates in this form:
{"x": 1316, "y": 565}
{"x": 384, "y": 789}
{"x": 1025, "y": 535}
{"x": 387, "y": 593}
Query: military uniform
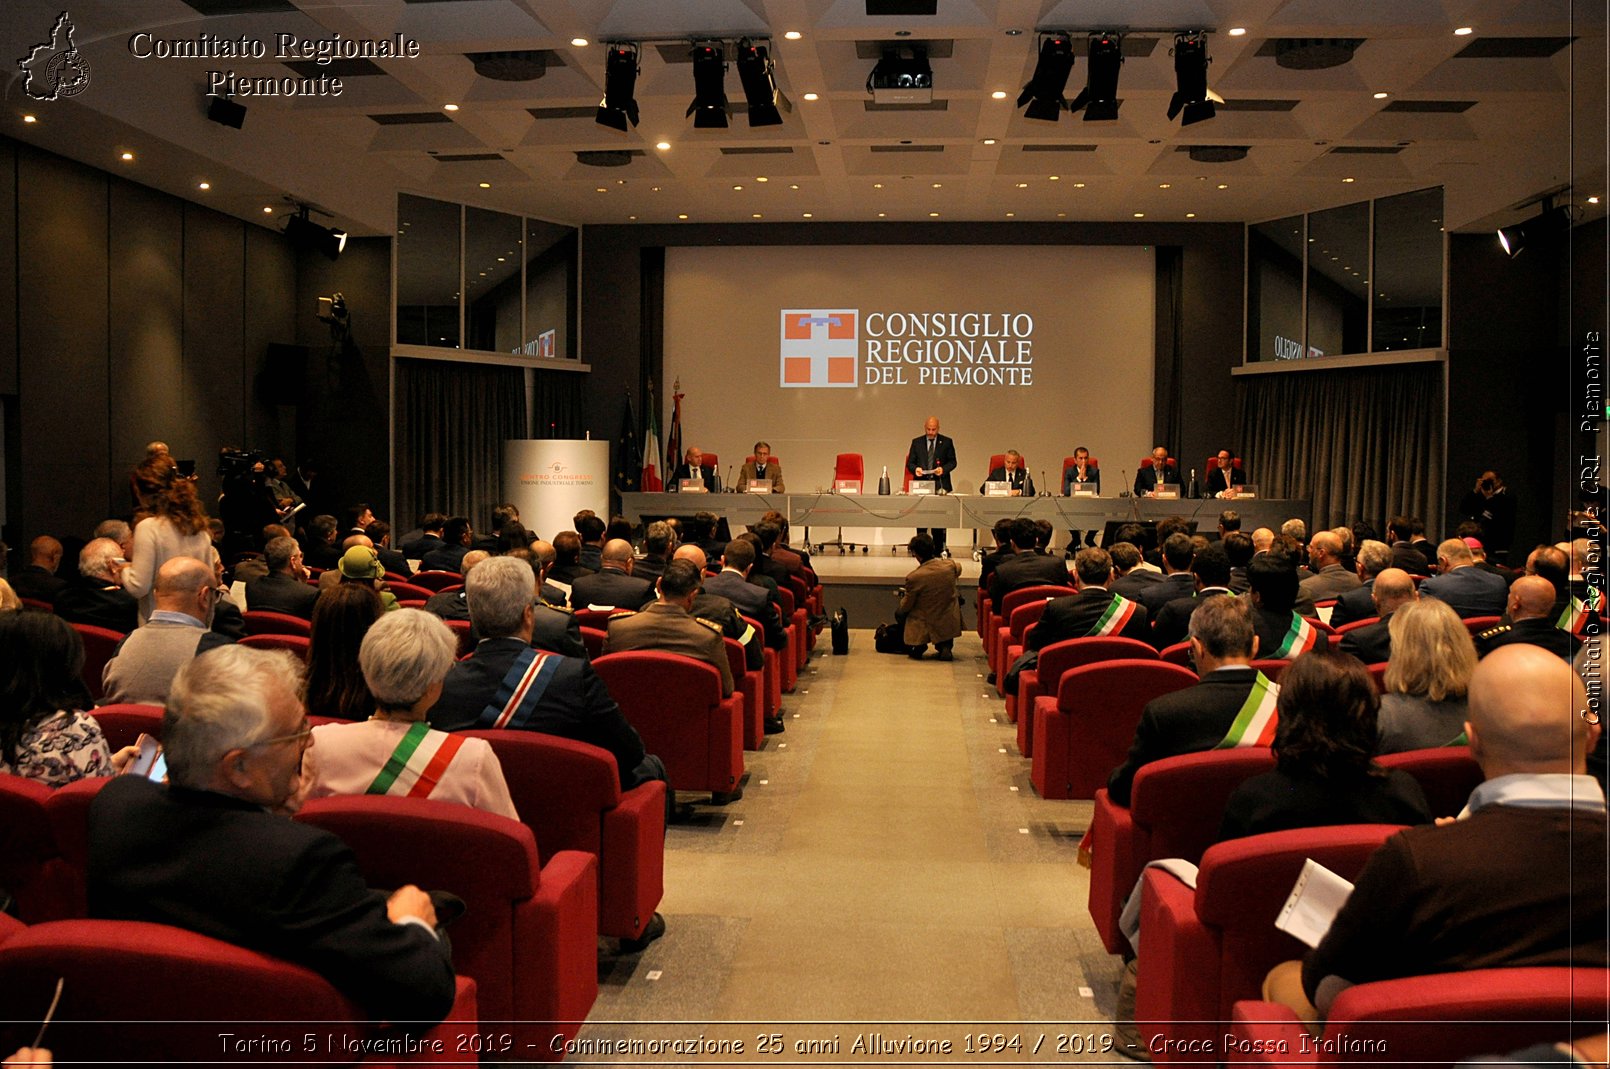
{"x": 670, "y": 629}
{"x": 1535, "y": 632}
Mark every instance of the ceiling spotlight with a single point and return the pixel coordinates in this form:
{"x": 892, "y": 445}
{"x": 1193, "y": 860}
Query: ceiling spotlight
{"x": 485, "y": 185}
{"x": 1238, "y": 31}
{"x": 759, "y": 80}
{"x": 1190, "y": 79}
{"x": 793, "y": 35}
{"x": 1043, "y": 94}
{"x": 203, "y": 185}
{"x": 1551, "y": 220}
{"x": 709, "y": 107}
{"x": 307, "y": 236}
{"x": 268, "y": 209}
{"x": 619, "y": 105}
{"x": 449, "y": 107}
{"x": 812, "y": 96}
{"x": 126, "y": 157}
{"x": 902, "y": 76}
{"x": 1593, "y": 200}
{"x": 579, "y": 42}
{"x": 1463, "y": 31}
{"x": 1099, "y": 97}
{"x": 30, "y": 118}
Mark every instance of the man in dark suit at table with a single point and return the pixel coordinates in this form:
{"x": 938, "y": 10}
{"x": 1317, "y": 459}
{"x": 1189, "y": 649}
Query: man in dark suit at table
{"x": 1012, "y": 473}
{"x": 1224, "y": 475}
{"x": 1081, "y": 474}
{"x": 1149, "y": 479}
{"x": 932, "y": 456}
{"x": 694, "y": 468}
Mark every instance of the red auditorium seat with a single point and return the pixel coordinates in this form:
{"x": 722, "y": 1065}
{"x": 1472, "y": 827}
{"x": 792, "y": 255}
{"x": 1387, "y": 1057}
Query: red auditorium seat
{"x": 593, "y": 639}
{"x": 1272, "y": 670}
{"x": 124, "y": 724}
{"x": 1179, "y": 653}
{"x": 124, "y": 983}
{"x": 676, "y": 705}
{"x": 437, "y": 581}
{"x": 1175, "y": 807}
{"x": 1354, "y": 625}
{"x": 797, "y": 652}
{"x": 1446, "y": 773}
{"x": 1378, "y": 674}
{"x": 569, "y": 794}
{"x": 1429, "y": 1022}
{"x": 31, "y": 866}
{"x": 412, "y": 591}
{"x": 529, "y": 934}
{"x": 38, "y": 605}
{"x": 752, "y": 686}
{"x": 1001, "y": 615}
{"x": 1085, "y": 731}
{"x": 1203, "y": 949}
{"x": 263, "y": 622}
{"x": 297, "y": 644}
{"x": 100, "y": 645}
{"x": 1478, "y": 624}
{"x": 1055, "y": 660}
{"x": 1010, "y": 643}
{"x": 462, "y": 630}
{"x": 598, "y": 619}
{"x": 773, "y": 672}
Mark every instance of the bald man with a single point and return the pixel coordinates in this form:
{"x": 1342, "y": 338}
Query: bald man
{"x": 613, "y": 585}
{"x": 38, "y": 580}
{"x": 1330, "y": 579}
{"x": 1531, "y": 600}
{"x": 1262, "y": 539}
{"x": 177, "y": 632}
{"x": 1465, "y": 588}
{"x": 1517, "y": 880}
{"x": 932, "y": 456}
{"x": 1372, "y": 643}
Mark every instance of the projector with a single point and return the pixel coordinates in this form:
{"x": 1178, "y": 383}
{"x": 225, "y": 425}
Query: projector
{"x": 902, "y": 79}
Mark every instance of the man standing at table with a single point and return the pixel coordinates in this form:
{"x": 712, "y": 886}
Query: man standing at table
{"x": 932, "y": 456}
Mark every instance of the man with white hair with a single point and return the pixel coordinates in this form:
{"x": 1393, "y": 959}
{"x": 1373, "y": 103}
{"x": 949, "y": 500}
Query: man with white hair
{"x": 1373, "y": 558}
{"x": 147, "y": 661}
{"x": 98, "y": 597}
{"x": 1466, "y": 589}
{"x": 207, "y": 851}
{"x": 285, "y": 588}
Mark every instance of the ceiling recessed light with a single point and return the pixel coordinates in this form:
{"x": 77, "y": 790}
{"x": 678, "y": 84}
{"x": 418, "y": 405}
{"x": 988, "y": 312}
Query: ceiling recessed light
{"x": 1190, "y": 215}
{"x": 1238, "y": 31}
{"x": 1224, "y": 185}
{"x": 755, "y": 216}
{"x": 1010, "y": 215}
{"x": 877, "y": 185}
{"x": 662, "y": 145}
{"x": 813, "y": 96}
{"x": 1347, "y": 179}
{"x": 653, "y": 189}
{"x": 793, "y": 186}
{"x": 1463, "y": 31}
{"x": 1078, "y": 185}
{"x": 807, "y": 215}
{"x": 631, "y": 218}
{"x": 933, "y": 215}
{"x": 763, "y": 178}
{"x": 602, "y": 189}
{"x": 683, "y": 216}
{"x": 268, "y": 210}
{"x": 1023, "y": 185}
{"x": 999, "y": 94}
{"x": 30, "y": 118}
{"x": 502, "y": 260}
{"x": 938, "y": 185}
{"x": 485, "y": 185}
{"x": 1164, "y": 185}
{"x": 1053, "y": 178}
{"x": 126, "y": 157}
{"x": 580, "y": 42}
{"x": 449, "y": 107}
{"x": 882, "y": 214}
{"x": 1014, "y": 33}
{"x": 1140, "y": 215}
{"x": 203, "y": 185}
{"x": 737, "y": 188}
{"x": 1381, "y": 96}
{"x": 792, "y": 35}
{"x": 989, "y": 141}
{"x": 1593, "y": 200}
{"x": 1062, "y": 215}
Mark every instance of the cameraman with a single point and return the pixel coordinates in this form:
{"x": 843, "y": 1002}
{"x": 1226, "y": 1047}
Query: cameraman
{"x": 247, "y": 504}
{"x": 1491, "y": 504}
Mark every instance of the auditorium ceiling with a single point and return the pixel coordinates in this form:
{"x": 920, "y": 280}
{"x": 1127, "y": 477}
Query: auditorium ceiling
{"x": 497, "y": 108}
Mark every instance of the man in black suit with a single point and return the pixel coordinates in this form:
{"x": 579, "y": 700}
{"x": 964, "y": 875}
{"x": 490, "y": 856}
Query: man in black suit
{"x": 1149, "y": 479}
{"x": 301, "y": 484}
{"x": 931, "y": 455}
{"x": 379, "y": 533}
{"x": 1530, "y": 600}
{"x": 1238, "y": 548}
{"x": 1224, "y": 474}
{"x": 613, "y": 585}
{"x": 659, "y": 540}
{"x": 590, "y": 529}
{"x": 98, "y": 596}
{"x": 1132, "y": 576}
{"x": 319, "y": 539}
{"x": 1405, "y": 556}
{"x": 1357, "y": 604}
{"x": 1012, "y": 473}
{"x": 1025, "y": 566}
{"x": 1282, "y": 634}
{"x": 1002, "y": 551}
{"x": 1178, "y": 582}
{"x": 234, "y": 737}
{"x": 39, "y": 579}
{"x": 1210, "y": 570}
{"x": 415, "y": 546}
{"x": 1372, "y": 643}
{"x": 449, "y": 557}
{"x": 732, "y": 583}
{"x": 1093, "y": 611}
{"x": 284, "y": 589}
{"x": 693, "y": 467}
{"x": 1080, "y": 474}
{"x": 564, "y": 696}
{"x": 1223, "y": 642}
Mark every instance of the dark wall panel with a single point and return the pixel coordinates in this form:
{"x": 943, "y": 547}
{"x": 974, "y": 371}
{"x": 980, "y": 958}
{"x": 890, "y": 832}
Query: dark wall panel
{"x": 8, "y": 267}
{"x": 144, "y": 365}
{"x": 270, "y": 293}
{"x": 62, "y": 333}
{"x": 214, "y": 323}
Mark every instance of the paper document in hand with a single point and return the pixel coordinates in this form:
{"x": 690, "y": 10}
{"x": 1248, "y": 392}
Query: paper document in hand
{"x": 1314, "y": 902}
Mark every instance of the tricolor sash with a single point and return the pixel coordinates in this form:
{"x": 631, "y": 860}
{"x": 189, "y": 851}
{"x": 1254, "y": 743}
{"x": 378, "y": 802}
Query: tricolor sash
{"x": 417, "y": 764}
{"x": 1576, "y": 614}
{"x": 1255, "y": 724}
{"x": 1299, "y": 640}
{"x": 521, "y": 690}
{"x": 1118, "y": 613}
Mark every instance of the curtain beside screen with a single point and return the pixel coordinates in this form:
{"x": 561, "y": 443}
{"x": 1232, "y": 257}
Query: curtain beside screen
{"x": 452, "y": 420}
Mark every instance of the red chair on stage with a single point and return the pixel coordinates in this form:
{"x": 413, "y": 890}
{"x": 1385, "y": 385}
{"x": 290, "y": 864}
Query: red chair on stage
{"x": 297, "y": 644}
{"x": 846, "y": 466}
{"x": 1175, "y": 807}
{"x": 569, "y": 794}
{"x": 675, "y": 703}
{"x": 437, "y": 581}
{"x": 1055, "y": 661}
{"x": 1429, "y": 1022}
{"x": 529, "y": 936}
{"x": 100, "y": 645}
{"x": 263, "y": 622}
{"x": 124, "y": 983}
{"x": 1083, "y": 733}
{"x": 124, "y": 724}
{"x": 752, "y": 687}
{"x": 1446, "y": 773}
{"x": 1204, "y": 949}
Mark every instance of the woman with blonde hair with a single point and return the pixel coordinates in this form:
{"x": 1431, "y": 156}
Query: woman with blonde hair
{"x": 1433, "y": 657}
{"x": 176, "y": 526}
{"x": 9, "y": 602}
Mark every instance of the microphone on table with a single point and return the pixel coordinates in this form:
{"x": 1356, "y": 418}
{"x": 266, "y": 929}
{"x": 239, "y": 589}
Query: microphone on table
{"x": 1125, "y": 475}
{"x": 729, "y": 486}
{"x": 1043, "y": 484}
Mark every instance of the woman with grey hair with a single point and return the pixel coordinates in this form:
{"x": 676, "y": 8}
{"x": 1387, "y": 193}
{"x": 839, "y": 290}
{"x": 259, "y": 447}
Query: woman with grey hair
{"x": 404, "y": 657}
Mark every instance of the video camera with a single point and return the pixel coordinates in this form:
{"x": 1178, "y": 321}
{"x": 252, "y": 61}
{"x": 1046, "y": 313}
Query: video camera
{"x": 239, "y": 464}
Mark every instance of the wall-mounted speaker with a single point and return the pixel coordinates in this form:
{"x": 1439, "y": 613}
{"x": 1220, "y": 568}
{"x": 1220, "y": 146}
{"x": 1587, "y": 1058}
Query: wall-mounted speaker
{"x": 226, "y": 112}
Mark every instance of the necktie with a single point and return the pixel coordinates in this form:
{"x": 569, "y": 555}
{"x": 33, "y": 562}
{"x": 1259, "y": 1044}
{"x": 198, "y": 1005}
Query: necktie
{"x": 930, "y": 453}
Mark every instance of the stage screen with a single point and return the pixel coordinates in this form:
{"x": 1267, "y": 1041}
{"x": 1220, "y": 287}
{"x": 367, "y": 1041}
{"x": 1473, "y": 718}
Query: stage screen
{"x": 821, "y": 350}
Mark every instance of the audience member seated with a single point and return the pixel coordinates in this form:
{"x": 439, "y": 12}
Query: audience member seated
{"x": 1374, "y": 557}
{"x": 1282, "y": 633}
{"x": 717, "y": 610}
{"x": 44, "y": 733}
{"x": 360, "y": 566}
{"x": 795, "y": 560}
{"x": 1238, "y": 547}
{"x": 335, "y": 683}
{"x": 450, "y": 604}
{"x": 146, "y": 661}
{"x": 1178, "y": 582}
{"x": 732, "y": 583}
{"x": 404, "y": 658}
{"x": 1427, "y": 679}
{"x": 1093, "y": 611}
{"x": 1517, "y": 880}
{"x": 449, "y": 556}
{"x": 505, "y": 517}
{"x": 929, "y": 609}
{"x": 659, "y": 542}
{"x": 285, "y": 588}
{"x": 1469, "y": 590}
{"x": 1025, "y": 565}
{"x": 9, "y": 602}
{"x": 1210, "y": 570}
{"x": 668, "y": 624}
{"x": 1132, "y": 576}
{"x": 1399, "y": 529}
{"x": 1330, "y": 579}
{"x": 235, "y": 734}
{"x": 506, "y": 683}
{"x": 992, "y": 558}
{"x": 613, "y": 585}
{"x": 415, "y": 546}
{"x": 379, "y": 535}
{"x": 1199, "y": 718}
{"x": 567, "y": 566}
{"x": 38, "y": 579}
{"x": 1389, "y": 592}
{"x": 97, "y": 596}
{"x": 591, "y": 531}
{"x": 319, "y": 542}
{"x": 1531, "y": 599}
{"x": 1325, "y": 771}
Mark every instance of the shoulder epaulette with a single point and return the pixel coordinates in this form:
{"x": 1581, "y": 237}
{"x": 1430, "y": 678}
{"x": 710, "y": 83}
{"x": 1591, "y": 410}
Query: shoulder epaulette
{"x": 714, "y": 627}
{"x": 546, "y": 604}
{"x": 1494, "y": 632}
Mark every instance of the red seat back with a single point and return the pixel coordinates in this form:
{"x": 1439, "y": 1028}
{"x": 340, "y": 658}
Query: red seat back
{"x": 100, "y": 644}
{"x": 1179, "y": 653}
{"x": 1180, "y": 800}
{"x": 124, "y": 724}
{"x": 1478, "y": 624}
{"x": 437, "y": 581}
{"x": 1024, "y": 595}
{"x": 297, "y": 644}
{"x": 1378, "y": 673}
{"x": 593, "y": 638}
{"x": 1354, "y": 625}
{"x": 463, "y": 631}
{"x": 676, "y": 705}
{"x": 1023, "y": 617}
{"x": 1104, "y": 702}
{"x": 263, "y": 622}
{"x": 412, "y": 591}
{"x": 29, "y": 859}
{"x": 1446, "y": 773}
{"x": 1272, "y": 670}
{"x": 850, "y": 466}
{"x": 1059, "y": 657}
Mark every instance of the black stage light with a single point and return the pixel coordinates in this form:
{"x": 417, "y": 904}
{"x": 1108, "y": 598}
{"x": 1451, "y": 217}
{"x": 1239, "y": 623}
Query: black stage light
{"x": 1552, "y": 220}
{"x": 1043, "y": 94}
{"x": 760, "y": 84}
{"x": 709, "y": 107}
{"x": 1099, "y": 97}
{"x": 1190, "y": 79}
{"x": 308, "y": 236}
{"x": 619, "y": 105}
{"x": 226, "y": 112}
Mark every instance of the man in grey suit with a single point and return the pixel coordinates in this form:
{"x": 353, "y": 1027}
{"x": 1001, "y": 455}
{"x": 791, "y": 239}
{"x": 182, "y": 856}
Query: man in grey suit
{"x": 1330, "y": 579}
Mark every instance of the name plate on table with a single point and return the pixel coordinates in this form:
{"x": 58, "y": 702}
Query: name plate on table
{"x": 921, "y": 486}
{"x": 998, "y": 489}
{"x": 759, "y": 486}
{"x": 1168, "y": 492}
{"x": 1245, "y": 490}
{"x": 1084, "y": 490}
{"x": 846, "y": 486}
{"x": 691, "y": 486}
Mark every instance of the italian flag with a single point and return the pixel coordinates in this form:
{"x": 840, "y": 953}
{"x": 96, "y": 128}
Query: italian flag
{"x": 1577, "y": 613}
{"x": 651, "y": 480}
{"x": 1299, "y": 640}
{"x": 417, "y": 764}
{"x": 1255, "y": 724}
{"x": 1119, "y": 612}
